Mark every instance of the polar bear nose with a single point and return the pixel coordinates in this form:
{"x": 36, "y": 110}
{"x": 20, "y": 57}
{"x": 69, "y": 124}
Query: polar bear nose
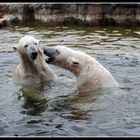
{"x": 48, "y": 51}
{"x": 51, "y": 52}
{"x": 33, "y": 55}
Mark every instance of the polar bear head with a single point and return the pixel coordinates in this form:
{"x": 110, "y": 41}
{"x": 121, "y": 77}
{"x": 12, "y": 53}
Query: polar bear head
{"x": 58, "y": 54}
{"x": 28, "y": 46}
{"x": 66, "y": 58}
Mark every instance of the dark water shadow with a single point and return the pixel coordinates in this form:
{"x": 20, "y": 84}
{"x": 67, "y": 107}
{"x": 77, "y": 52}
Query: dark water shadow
{"x": 34, "y": 101}
{"x": 77, "y": 106}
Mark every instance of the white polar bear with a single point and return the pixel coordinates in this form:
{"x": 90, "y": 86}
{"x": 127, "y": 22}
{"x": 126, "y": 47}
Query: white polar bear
{"x": 91, "y": 75}
{"x": 32, "y": 68}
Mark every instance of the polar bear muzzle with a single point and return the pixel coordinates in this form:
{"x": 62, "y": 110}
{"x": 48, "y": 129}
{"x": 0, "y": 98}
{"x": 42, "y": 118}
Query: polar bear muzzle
{"x": 51, "y": 53}
{"x": 34, "y": 55}
{"x": 32, "y": 51}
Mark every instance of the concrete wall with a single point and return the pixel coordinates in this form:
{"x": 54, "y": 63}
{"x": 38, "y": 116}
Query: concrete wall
{"x": 79, "y": 14}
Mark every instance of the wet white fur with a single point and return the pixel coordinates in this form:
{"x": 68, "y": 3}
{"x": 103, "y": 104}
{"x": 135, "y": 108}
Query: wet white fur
{"x": 91, "y": 75}
{"x": 31, "y": 70}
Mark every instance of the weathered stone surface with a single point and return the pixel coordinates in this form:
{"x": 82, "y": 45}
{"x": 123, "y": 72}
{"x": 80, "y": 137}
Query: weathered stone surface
{"x": 86, "y": 14}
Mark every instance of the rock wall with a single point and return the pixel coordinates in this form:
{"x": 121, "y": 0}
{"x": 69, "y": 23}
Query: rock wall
{"x": 79, "y": 14}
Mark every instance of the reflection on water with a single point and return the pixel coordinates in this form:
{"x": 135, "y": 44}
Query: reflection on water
{"x": 55, "y": 109}
{"x": 33, "y": 98}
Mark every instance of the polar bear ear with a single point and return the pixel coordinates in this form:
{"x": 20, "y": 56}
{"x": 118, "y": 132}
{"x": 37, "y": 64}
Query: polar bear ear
{"x": 73, "y": 62}
{"x": 14, "y": 48}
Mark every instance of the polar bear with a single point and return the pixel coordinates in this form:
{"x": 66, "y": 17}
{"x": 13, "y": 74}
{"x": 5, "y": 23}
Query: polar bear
{"x": 32, "y": 68}
{"x": 91, "y": 75}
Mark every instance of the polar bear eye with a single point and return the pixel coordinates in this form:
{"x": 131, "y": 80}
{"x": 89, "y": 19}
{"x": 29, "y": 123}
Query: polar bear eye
{"x": 57, "y": 51}
{"x": 26, "y": 46}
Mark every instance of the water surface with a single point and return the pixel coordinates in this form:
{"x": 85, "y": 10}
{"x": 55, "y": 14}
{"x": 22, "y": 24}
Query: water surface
{"x": 57, "y": 110}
